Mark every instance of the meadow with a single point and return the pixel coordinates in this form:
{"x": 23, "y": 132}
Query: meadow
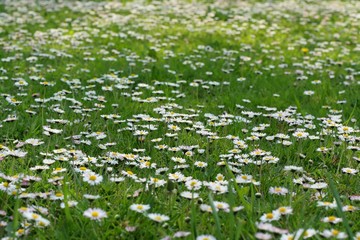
{"x": 179, "y": 119}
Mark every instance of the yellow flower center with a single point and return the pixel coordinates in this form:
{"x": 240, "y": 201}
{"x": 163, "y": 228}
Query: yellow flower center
{"x": 92, "y": 177}
{"x": 94, "y": 214}
{"x": 41, "y": 223}
{"x": 269, "y": 216}
{"x": 350, "y": 208}
{"x": 282, "y": 209}
{"x": 59, "y": 194}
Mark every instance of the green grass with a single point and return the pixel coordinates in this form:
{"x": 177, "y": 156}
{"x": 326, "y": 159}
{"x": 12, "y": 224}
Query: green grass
{"x": 219, "y": 71}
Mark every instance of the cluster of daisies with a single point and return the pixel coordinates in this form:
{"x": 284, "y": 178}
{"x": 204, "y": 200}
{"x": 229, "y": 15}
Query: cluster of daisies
{"x": 83, "y": 120}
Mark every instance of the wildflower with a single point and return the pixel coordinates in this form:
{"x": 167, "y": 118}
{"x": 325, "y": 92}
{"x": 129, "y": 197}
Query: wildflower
{"x": 349, "y": 171}
{"x": 334, "y": 233}
{"x": 139, "y": 207}
{"x": 95, "y": 214}
{"x": 309, "y": 92}
{"x": 189, "y": 195}
{"x": 222, "y": 206}
{"x": 70, "y": 203}
{"x": 205, "y": 237}
{"x": 91, "y": 197}
{"x": 92, "y": 178}
{"x": 243, "y": 178}
{"x": 34, "y": 142}
{"x": 158, "y": 217}
{"x": 57, "y": 196}
{"x": 181, "y": 234}
{"x": 174, "y": 128}
{"x": 287, "y": 236}
{"x": 293, "y": 168}
{"x": 206, "y": 208}
{"x": 263, "y": 236}
{"x": 42, "y": 222}
{"x": 300, "y": 134}
{"x": 178, "y": 160}
{"x": 308, "y": 233}
{"x": 200, "y": 164}
{"x": 357, "y": 236}
{"x": 284, "y": 210}
{"x": 332, "y": 219}
{"x": 157, "y": 182}
{"x": 350, "y": 208}
{"x": 278, "y": 190}
{"x": 269, "y": 217}
{"x": 193, "y": 184}
{"x": 327, "y": 205}
{"x": 320, "y": 185}
{"x": 218, "y": 187}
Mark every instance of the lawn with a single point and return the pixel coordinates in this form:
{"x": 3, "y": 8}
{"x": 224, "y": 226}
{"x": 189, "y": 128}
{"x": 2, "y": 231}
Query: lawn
{"x": 179, "y": 119}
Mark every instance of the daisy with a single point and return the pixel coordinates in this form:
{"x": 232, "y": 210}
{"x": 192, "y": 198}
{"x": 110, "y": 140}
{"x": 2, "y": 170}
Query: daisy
{"x": 34, "y": 142}
{"x": 263, "y": 236}
{"x": 91, "y": 197}
{"x": 205, "y": 237}
{"x": 181, "y": 234}
{"x": 158, "y": 217}
{"x": 243, "y": 178}
{"x": 222, "y": 206}
{"x": 327, "y": 205}
{"x": 357, "y": 236}
{"x": 308, "y": 233}
{"x": 269, "y": 217}
{"x": 333, "y": 233}
{"x": 218, "y": 188}
{"x": 349, "y": 171}
{"x": 349, "y": 208}
{"x": 189, "y": 195}
{"x": 200, "y": 164}
{"x": 278, "y": 190}
{"x": 309, "y": 92}
{"x": 70, "y": 203}
{"x": 42, "y": 222}
{"x": 206, "y": 208}
{"x": 287, "y": 236}
{"x": 284, "y": 210}
{"x": 268, "y": 227}
{"x": 92, "y": 178}
{"x": 139, "y": 207}
{"x": 320, "y": 185}
{"x": 332, "y": 219}
{"x": 193, "y": 184}
{"x": 95, "y": 214}
{"x": 300, "y": 134}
